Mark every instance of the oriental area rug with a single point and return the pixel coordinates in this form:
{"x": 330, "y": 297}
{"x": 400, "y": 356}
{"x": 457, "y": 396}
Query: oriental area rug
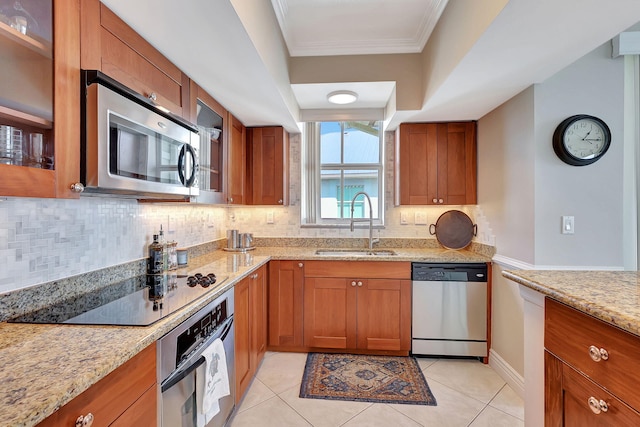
{"x": 363, "y": 378}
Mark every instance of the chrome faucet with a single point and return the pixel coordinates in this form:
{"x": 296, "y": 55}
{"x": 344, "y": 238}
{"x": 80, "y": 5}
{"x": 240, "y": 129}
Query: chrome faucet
{"x": 371, "y": 239}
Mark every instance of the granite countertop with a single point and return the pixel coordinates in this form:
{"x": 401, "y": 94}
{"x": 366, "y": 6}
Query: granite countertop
{"x": 611, "y": 296}
{"x": 42, "y": 367}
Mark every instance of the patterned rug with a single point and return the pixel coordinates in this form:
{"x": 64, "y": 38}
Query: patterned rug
{"x": 380, "y": 379}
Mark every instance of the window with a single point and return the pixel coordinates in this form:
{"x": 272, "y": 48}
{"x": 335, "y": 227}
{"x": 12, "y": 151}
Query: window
{"x": 343, "y": 159}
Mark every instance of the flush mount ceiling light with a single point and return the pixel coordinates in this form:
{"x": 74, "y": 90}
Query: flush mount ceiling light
{"x": 342, "y": 97}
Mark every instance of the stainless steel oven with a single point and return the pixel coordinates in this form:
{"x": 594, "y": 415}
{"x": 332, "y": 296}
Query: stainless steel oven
{"x": 131, "y": 146}
{"x": 180, "y": 354}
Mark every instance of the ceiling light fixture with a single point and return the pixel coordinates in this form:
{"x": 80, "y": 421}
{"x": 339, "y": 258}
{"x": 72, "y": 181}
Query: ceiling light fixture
{"x": 342, "y": 97}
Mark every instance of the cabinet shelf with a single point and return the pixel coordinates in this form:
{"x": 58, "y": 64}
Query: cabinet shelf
{"x": 25, "y": 118}
{"x": 14, "y": 40}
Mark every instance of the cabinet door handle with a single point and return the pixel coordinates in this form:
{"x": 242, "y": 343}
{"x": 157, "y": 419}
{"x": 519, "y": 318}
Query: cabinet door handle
{"x": 230, "y": 199}
{"x": 85, "y": 420}
{"x": 597, "y": 406}
{"x": 300, "y": 265}
{"x": 152, "y": 97}
{"x": 435, "y": 200}
{"x": 598, "y": 354}
{"x": 77, "y": 187}
{"x": 280, "y": 201}
{"x": 359, "y": 283}
{"x": 440, "y": 201}
{"x": 353, "y": 283}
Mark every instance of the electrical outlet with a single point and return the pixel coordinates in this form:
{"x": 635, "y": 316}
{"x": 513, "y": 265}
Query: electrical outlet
{"x": 421, "y": 218}
{"x": 270, "y": 217}
{"x": 568, "y": 225}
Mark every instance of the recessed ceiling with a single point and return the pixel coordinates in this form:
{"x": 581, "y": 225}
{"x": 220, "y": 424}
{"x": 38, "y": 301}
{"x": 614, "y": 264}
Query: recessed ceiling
{"x": 370, "y": 94}
{"x": 356, "y": 27}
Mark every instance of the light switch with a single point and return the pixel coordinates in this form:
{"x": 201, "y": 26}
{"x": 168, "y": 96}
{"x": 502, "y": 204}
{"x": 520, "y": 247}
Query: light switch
{"x": 404, "y": 218}
{"x": 567, "y": 225}
{"x": 270, "y": 217}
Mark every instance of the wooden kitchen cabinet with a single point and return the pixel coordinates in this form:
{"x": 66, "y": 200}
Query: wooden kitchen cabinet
{"x": 250, "y": 317}
{"x": 111, "y": 46}
{"x": 125, "y": 397}
{"x": 237, "y": 163}
{"x": 268, "y": 166}
{"x": 40, "y": 100}
{"x": 286, "y": 288}
{"x": 358, "y": 306}
{"x": 213, "y": 124}
{"x": 436, "y": 164}
{"x": 592, "y": 370}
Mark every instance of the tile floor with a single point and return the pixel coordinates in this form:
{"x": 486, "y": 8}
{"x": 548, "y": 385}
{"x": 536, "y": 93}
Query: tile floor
{"x": 468, "y": 394}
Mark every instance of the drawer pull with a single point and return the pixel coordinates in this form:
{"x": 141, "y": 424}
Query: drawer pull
{"x": 85, "y": 421}
{"x": 597, "y": 406}
{"x": 598, "y": 354}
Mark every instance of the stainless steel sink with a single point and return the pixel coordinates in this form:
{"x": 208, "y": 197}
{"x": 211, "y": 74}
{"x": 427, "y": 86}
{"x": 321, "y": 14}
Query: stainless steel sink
{"x": 355, "y": 252}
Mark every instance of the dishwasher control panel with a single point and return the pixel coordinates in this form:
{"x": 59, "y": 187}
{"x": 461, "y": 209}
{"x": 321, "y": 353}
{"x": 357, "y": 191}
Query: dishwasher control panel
{"x": 444, "y": 272}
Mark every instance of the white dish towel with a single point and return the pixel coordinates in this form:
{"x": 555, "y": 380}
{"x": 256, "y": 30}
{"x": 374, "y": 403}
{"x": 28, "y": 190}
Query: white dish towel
{"x": 212, "y": 382}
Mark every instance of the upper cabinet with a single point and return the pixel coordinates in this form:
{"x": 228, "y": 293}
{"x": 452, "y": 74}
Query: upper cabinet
{"x": 39, "y": 123}
{"x": 268, "y": 166}
{"x": 237, "y": 162}
{"x": 213, "y": 127}
{"x": 436, "y": 164}
{"x": 111, "y": 46}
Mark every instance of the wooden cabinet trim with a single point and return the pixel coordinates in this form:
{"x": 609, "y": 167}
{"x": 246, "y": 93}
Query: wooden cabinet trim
{"x": 360, "y": 269}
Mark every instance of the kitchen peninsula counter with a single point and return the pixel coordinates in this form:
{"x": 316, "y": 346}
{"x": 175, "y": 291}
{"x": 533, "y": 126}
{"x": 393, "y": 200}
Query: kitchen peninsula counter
{"x": 45, "y": 366}
{"x": 611, "y": 296}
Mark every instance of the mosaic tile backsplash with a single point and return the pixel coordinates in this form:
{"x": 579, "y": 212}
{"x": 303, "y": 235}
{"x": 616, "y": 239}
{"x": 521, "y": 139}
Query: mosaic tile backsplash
{"x": 42, "y": 240}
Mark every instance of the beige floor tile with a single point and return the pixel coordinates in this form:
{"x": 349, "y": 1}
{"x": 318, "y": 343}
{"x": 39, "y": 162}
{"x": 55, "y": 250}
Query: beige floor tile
{"x": 491, "y": 417}
{"x": 470, "y": 377}
{"x": 454, "y": 409}
{"x": 321, "y": 412}
{"x": 425, "y": 362}
{"x": 271, "y": 413}
{"x": 256, "y": 394}
{"x": 508, "y": 401}
{"x": 281, "y": 371}
{"x": 380, "y": 415}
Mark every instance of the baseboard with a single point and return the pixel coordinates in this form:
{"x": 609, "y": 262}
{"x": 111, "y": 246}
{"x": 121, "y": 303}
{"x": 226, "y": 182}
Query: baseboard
{"x": 507, "y": 373}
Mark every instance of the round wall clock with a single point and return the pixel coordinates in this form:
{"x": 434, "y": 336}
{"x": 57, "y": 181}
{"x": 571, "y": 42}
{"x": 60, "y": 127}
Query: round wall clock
{"x": 581, "y": 139}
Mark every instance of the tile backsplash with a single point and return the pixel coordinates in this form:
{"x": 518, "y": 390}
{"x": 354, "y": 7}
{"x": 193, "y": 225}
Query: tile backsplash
{"x": 42, "y": 240}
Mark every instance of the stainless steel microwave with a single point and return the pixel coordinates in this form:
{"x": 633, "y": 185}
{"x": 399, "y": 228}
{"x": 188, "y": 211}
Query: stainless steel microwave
{"x": 132, "y": 148}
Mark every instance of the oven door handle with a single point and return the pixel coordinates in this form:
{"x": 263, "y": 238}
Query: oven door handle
{"x": 196, "y": 359}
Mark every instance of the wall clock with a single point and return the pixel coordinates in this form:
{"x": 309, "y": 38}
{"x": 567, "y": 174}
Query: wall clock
{"x": 581, "y": 139}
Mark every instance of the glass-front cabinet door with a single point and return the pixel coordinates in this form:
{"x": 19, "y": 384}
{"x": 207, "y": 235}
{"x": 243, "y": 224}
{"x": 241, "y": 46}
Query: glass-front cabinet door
{"x": 38, "y": 92}
{"x": 210, "y": 117}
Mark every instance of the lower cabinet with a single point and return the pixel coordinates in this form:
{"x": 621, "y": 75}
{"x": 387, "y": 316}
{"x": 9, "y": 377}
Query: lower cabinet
{"x": 592, "y": 370}
{"x": 286, "y": 288}
{"x": 356, "y": 305}
{"x": 250, "y": 317}
{"x": 125, "y": 397}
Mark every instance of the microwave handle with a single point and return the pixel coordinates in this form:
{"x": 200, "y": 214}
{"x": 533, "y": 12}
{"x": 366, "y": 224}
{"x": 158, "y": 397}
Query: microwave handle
{"x": 187, "y": 149}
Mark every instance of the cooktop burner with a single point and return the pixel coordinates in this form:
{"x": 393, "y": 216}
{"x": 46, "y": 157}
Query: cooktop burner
{"x": 138, "y": 301}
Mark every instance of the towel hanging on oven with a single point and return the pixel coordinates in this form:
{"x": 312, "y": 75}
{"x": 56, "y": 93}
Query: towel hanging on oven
{"x": 212, "y": 382}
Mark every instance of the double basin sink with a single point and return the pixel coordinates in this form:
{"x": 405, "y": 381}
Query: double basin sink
{"x": 355, "y": 252}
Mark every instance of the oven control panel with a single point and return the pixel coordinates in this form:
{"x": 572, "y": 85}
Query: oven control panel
{"x": 200, "y": 330}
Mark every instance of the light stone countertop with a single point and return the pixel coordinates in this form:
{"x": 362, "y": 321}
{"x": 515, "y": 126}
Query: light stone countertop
{"x": 611, "y": 296}
{"x": 42, "y": 367}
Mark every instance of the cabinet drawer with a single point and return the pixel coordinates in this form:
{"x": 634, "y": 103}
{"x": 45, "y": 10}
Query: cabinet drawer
{"x": 113, "y": 395}
{"x": 579, "y": 390}
{"x": 569, "y": 334}
{"x": 359, "y": 269}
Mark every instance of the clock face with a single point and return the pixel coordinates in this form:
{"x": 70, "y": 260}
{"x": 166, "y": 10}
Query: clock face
{"x": 581, "y": 140}
{"x": 584, "y": 139}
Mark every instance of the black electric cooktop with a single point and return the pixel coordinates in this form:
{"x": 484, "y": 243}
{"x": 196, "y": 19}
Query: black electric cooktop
{"x": 138, "y": 301}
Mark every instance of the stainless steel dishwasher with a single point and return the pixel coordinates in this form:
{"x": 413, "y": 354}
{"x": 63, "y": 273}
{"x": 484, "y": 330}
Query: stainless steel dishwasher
{"x": 449, "y": 315}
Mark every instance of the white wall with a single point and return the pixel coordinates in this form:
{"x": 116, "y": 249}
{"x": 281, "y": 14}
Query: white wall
{"x": 524, "y": 189}
{"x": 593, "y": 194}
